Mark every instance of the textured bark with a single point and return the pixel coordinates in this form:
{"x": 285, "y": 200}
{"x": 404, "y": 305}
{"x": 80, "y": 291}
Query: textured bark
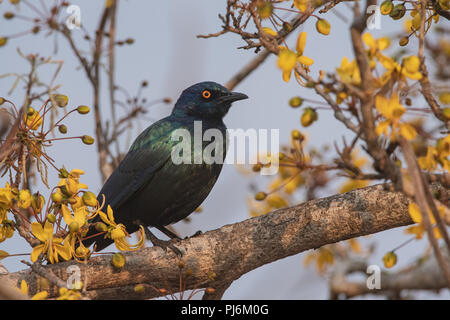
{"x": 216, "y": 258}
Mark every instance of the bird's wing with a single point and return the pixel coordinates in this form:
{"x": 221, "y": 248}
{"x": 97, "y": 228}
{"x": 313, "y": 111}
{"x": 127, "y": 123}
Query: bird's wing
{"x": 149, "y": 152}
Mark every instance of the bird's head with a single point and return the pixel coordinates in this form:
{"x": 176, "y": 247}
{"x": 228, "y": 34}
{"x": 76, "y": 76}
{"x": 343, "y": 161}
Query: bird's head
{"x": 207, "y": 100}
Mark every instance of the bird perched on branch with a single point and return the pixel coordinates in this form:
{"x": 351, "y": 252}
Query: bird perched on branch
{"x": 148, "y": 188}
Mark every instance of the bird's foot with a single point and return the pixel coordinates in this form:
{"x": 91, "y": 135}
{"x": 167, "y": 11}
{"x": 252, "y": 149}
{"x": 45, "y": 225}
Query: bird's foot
{"x": 163, "y": 244}
{"x": 199, "y": 232}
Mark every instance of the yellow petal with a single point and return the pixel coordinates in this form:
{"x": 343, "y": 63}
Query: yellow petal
{"x": 40, "y": 295}
{"x": 301, "y": 42}
{"x": 67, "y": 215}
{"x": 269, "y": 31}
{"x": 383, "y": 43}
{"x": 110, "y": 214}
{"x": 24, "y": 287}
{"x": 368, "y": 40}
{"x": 408, "y": 131}
{"x": 287, "y": 75}
{"x": 414, "y": 212}
{"x": 36, "y": 252}
{"x": 38, "y": 231}
{"x": 286, "y": 60}
{"x": 305, "y": 60}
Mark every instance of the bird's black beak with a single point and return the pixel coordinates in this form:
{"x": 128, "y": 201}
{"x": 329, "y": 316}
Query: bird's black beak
{"x": 232, "y": 97}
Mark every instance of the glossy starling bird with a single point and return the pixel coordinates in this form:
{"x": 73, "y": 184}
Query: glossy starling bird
{"x": 148, "y": 188}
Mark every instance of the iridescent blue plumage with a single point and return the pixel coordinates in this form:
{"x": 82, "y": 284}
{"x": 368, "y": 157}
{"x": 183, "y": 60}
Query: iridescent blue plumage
{"x": 147, "y": 187}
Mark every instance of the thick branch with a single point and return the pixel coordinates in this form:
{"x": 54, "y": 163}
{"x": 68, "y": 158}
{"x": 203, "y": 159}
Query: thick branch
{"x": 218, "y": 257}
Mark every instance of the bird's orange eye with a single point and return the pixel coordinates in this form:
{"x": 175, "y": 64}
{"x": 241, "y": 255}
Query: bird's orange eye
{"x": 206, "y": 94}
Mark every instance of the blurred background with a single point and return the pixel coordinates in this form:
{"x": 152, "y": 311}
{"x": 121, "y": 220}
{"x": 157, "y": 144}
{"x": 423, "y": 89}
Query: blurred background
{"x": 167, "y": 54}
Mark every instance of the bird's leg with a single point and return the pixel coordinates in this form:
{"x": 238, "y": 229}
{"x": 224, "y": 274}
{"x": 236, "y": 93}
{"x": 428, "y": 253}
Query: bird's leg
{"x": 168, "y": 233}
{"x": 161, "y": 243}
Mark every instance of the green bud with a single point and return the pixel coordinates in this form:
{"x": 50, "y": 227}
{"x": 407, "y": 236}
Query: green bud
{"x": 297, "y": 135}
{"x": 57, "y": 197}
{"x": 295, "y": 102}
{"x": 287, "y": 27}
{"x": 101, "y": 227}
{"x": 308, "y": 117}
{"x": 37, "y": 202}
{"x": 74, "y": 227}
{"x": 398, "y": 12}
{"x": 51, "y": 218}
{"x": 83, "y": 109}
{"x": 63, "y": 173}
{"x": 61, "y": 100}
{"x": 89, "y": 199}
{"x": 386, "y": 7}
{"x": 118, "y": 260}
{"x": 87, "y": 139}
{"x": 62, "y": 128}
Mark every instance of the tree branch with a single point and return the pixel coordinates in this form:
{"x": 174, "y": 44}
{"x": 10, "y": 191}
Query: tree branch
{"x": 223, "y": 255}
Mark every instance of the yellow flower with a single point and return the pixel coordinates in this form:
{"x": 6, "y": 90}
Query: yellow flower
{"x": 6, "y": 230}
{"x": 80, "y": 215}
{"x": 301, "y": 5}
{"x": 323, "y": 256}
{"x": 287, "y": 59}
{"x": 416, "y": 216}
{"x": 71, "y": 184}
{"x": 390, "y": 259}
{"x": 349, "y": 72}
{"x": 24, "y": 199}
{"x": 269, "y": 31}
{"x": 32, "y": 119}
{"x": 66, "y": 294}
{"x": 38, "y": 296}
{"x": 392, "y": 110}
{"x": 353, "y": 184}
{"x": 408, "y": 69}
{"x": 52, "y": 247}
{"x": 6, "y": 197}
{"x": 118, "y": 234}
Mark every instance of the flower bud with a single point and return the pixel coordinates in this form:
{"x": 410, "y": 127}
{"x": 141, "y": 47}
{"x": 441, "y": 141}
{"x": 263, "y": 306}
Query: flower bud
{"x": 57, "y": 197}
{"x": 101, "y": 227}
{"x": 118, "y": 260}
{"x": 61, "y": 100}
{"x": 308, "y": 117}
{"x": 323, "y": 26}
{"x": 390, "y": 259}
{"x": 129, "y": 41}
{"x": 287, "y": 27}
{"x": 297, "y": 135}
{"x": 398, "y": 12}
{"x": 446, "y": 113}
{"x": 62, "y": 129}
{"x": 83, "y": 109}
{"x": 8, "y": 15}
{"x": 403, "y": 41}
{"x": 74, "y": 227}
{"x": 51, "y": 218}
{"x": 295, "y": 102}
{"x": 89, "y": 199}
{"x": 256, "y": 167}
{"x": 2, "y": 100}
{"x": 37, "y": 202}
{"x": 265, "y": 10}
{"x": 3, "y": 41}
{"x": 386, "y": 7}
{"x": 260, "y": 196}
{"x": 87, "y": 139}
